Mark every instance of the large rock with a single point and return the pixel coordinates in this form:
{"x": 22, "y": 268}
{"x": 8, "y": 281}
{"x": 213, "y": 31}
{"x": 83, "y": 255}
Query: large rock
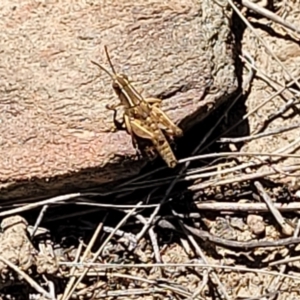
{"x": 55, "y": 129}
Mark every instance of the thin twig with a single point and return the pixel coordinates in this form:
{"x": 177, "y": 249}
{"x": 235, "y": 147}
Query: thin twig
{"x": 203, "y": 257}
{"x": 30, "y": 281}
{"x": 269, "y": 15}
{"x": 274, "y": 284}
{"x": 286, "y": 228}
{"x": 246, "y": 207}
{"x": 241, "y": 178}
{"x": 129, "y": 236}
{"x": 39, "y": 220}
{"x": 258, "y": 136}
{"x": 204, "y": 283}
{"x": 107, "y": 266}
{"x": 87, "y": 251}
{"x": 72, "y": 272}
{"x": 153, "y": 239}
{"x": 160, "y": 182}
{"x": 97, "y": 254}
{"x": 285, "y": 260}
{"x": 42, "y": 203}
{"x": 286, "y": 90}
{"x": 205, "y": 236}
{"x": 264, "y": 43}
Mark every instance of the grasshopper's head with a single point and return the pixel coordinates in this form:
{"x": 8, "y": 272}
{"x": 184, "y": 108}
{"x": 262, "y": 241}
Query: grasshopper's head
{"x": 120, "y": 81}
{"x": 121, "y": 84}
{"x": 124, "y": 90}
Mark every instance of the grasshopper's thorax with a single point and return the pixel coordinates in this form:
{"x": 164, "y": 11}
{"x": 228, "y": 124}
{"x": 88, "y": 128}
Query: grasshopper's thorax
{"x": 129, "y": 97}
{"x": 134, "y": 104}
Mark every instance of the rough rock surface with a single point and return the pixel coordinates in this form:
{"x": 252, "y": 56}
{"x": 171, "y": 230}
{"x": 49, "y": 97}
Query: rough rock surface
{"x": 55, "y": 129}
{"x": 16, "y": 247}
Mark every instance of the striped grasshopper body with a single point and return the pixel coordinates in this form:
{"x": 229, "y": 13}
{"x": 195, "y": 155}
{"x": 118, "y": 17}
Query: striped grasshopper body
{"x": 143, "y": 118}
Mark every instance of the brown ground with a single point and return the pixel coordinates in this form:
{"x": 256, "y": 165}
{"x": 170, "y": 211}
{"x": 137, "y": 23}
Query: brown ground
{"x": 219, "y": 219}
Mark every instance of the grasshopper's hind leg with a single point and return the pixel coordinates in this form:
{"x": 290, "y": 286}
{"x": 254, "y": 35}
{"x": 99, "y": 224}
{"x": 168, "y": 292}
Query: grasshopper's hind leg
{"x": 168, "y": 126}
{"x": 141, "y": 147}
{"x": 139, "y": 129}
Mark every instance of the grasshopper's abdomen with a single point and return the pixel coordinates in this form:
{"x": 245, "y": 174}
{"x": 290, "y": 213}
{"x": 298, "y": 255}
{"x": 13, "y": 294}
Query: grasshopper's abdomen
{"x": 164, "y": 149}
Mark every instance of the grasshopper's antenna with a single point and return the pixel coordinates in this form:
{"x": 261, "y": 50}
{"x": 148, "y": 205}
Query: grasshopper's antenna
{"x": 102, "y": 68}
{"x": 110, "y": 63}
{"x": 109, "y": 60}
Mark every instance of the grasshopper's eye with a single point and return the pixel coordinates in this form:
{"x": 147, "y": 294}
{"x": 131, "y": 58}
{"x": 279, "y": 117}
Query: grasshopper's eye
{"x": 115, "y": 85}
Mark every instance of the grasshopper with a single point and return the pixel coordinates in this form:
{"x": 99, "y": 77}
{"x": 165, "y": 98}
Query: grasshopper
{"x": 143, "y": 117}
